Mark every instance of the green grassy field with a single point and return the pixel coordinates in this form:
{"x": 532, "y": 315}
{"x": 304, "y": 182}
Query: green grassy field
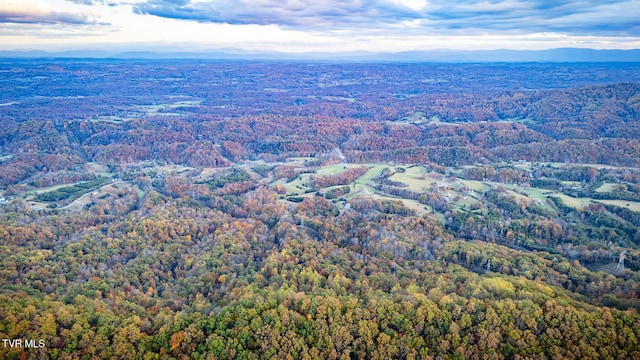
{"x": 297, "y": 186}
{"x": 414, "y": 177}
{"x": 597, "y": 166}
{"x": 634, "y": 206}
{"x": 5, "y": 157}
{"x": 417, "y": 180}
{"x": 411, "y": 204}
{"x": 570, "y": 183}
{"x": 299, "y": 160}
{"x": 374, "y": 171}
{"x": 577, "y": 203}
{"x": 606, "y": 187}
{"x": 159, "y": 109}
{"x": 339, "y": 98}
{"x": 464, "y": 203}
{"x": 540, "y": 195}
{"x": 333, "y": 169}
{"x": 98, "y": 168}
{"x": 110, "y": 189}
{"x": 475, "y": 185}
{"x": 517, "y": 197}
{"x": 50, "y": 188}
{"x": 417, "y": 117}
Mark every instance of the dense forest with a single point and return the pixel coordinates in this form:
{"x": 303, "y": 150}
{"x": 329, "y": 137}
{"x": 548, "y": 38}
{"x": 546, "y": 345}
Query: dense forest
{"x": 264, "y": 210}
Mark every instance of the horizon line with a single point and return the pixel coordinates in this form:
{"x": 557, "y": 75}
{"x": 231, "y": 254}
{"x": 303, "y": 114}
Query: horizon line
{"x": 562, "y": 54}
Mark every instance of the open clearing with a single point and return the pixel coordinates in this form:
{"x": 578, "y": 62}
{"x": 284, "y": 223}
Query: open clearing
{"x": 597, "y": 166}
{"x": 517, "y": 197}
{"x": 374, "y": 171}
{"x": 160, "y": 109}
{"x": 410, "y": 204}
{"x": 475, "y": 185}
{"x": 111, "y": 189}
{"x": 99, "y": 169}
{"x": 333, "y": 169}
{"x": 414, "y": 177}
{"x": 5, "y": 157}
{"x": 631, "y": 205}
{"x": 51, "y": 188}
{"x": 570, "y": 183}
{"x": 540, "y": 196}
{"x": 576, "y": 203}
{"x": 606, "y": 187}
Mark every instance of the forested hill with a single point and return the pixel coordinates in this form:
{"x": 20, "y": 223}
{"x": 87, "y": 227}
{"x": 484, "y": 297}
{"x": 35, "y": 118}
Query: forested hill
{"x": 219, "y": 210}
{"x": 596, "y": 124}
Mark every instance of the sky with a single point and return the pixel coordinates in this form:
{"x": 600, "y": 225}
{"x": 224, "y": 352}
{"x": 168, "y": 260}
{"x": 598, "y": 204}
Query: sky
{"x": 298, "y": 26}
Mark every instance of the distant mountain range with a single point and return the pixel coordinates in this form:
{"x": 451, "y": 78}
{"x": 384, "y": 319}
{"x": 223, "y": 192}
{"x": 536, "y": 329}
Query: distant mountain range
{"x": 552, "y": 55}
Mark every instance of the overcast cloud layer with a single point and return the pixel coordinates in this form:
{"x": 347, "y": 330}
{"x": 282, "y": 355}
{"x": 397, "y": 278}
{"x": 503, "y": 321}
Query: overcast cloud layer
{"x": 315, "y": 25}
{"x": 32, "y": 13}
{"x": 575, "y": 16}
{"x": 292, "y": 13}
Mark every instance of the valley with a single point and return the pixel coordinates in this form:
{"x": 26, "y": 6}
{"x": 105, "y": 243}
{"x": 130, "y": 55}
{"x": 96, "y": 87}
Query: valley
{"x": 242, "y": 209}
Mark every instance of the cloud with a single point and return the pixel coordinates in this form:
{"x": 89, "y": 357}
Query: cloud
{"x": 292, "y": 13}
{"x": 34, "y": 13}
{"x": 524, "y": 16}
{"x": 84, "y": 2}
{"x": 571, "y": 17}
{"x": 104, "y": 2}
